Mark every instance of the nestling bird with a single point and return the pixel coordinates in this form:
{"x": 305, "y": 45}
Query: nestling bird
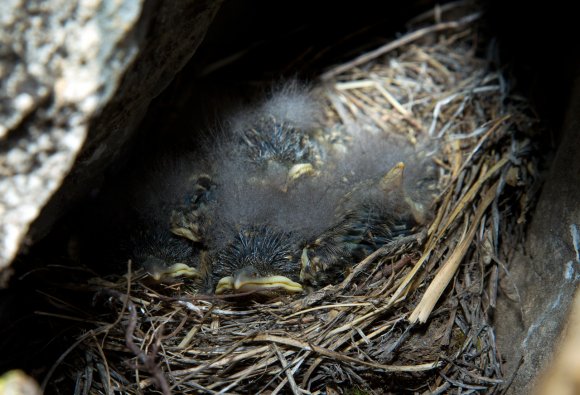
{"x": 273, "y": 207}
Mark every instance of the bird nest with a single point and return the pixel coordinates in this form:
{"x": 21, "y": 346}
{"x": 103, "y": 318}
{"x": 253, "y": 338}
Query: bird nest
{"x": 415, "y": 315}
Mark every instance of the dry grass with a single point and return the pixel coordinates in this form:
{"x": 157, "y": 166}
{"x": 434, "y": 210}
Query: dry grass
{"x": 415, "y": 315}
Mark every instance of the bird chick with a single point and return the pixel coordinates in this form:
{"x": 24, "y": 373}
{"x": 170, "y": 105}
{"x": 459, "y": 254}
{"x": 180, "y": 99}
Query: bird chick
{"x": 259, "y": 259}
{"x": 270, "y": 207}
{"x": 373, "y": 214}
{"x": 165, "y": 256}
{"x": 255, "y": 223}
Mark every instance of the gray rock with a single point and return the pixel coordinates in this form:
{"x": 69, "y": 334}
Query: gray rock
{"x": 530, "y": 322}
{"x": 75, "y": 80}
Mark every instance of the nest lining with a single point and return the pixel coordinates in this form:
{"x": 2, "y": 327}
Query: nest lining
{"x": 412, "y": 316}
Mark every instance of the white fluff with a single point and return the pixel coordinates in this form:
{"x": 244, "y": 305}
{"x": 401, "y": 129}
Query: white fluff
{"x": 247, "y": 194}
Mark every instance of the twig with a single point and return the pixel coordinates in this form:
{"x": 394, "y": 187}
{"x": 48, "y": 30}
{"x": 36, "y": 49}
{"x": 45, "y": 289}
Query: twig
{"x": 406, "y": 39}
{"x": 344, "y": 358}
{"x": 108, "y": 388}
{"x": 289, "y": 375}
{"x": 148, "y": 361}
{"x": 326, "y": 307}
{"x": 384, "y": 250}
{"x": 442, "y": 279}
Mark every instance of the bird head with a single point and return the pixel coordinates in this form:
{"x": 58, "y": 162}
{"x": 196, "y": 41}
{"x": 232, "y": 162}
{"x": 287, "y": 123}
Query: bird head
{"x": 259, "y": 260}
{"x": 165, "y": 256}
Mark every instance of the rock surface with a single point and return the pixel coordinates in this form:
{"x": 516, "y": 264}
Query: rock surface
{"x": 528, "y": 325}
{"x": 75, "y": 80}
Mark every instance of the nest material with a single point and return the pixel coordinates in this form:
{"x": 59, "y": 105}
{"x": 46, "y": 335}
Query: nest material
{"x": 412, "y": 316}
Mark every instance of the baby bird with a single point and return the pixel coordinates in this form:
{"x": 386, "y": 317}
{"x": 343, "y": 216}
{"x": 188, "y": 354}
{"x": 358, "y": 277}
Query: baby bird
{"x": 375, "y": 213}
{"x": 259, "y": 259}
{"x": 164, "y": 255}
{"x": 272, "y": 208}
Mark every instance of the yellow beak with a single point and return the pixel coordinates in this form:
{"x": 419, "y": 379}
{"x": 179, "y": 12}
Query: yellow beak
{"x": 242, "y": 282}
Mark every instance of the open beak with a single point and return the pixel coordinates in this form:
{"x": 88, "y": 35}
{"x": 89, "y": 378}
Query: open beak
{"x": 248, "y": 281}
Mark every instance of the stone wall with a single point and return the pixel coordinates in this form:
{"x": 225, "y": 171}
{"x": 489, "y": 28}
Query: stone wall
{"x": 75, "y": 80}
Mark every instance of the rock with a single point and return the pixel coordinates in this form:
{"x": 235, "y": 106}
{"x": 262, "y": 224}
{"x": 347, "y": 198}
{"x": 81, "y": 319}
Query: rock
{"x": 16, "y": 382}
{"x": 75, "y": 80}
{"x": 530, "y": 322}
